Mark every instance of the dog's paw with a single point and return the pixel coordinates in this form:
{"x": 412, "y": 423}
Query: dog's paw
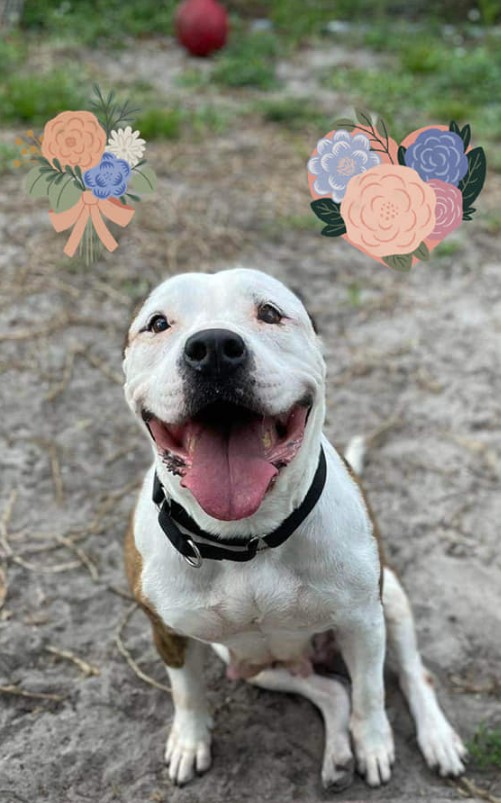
{"x": 188, "y": 749}
{"x": 338, "y": 769}
{"x": 442, "y": 748}
{"x": 374, "y": 748}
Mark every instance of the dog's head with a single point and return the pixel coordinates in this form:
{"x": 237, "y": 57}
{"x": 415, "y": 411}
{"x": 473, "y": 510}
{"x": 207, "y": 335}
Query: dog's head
{"x": 226, "y": 374}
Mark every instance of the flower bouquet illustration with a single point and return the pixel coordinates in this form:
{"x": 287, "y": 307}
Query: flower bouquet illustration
{"x": 395, "y": 203}
{"x": 90, "y": 169}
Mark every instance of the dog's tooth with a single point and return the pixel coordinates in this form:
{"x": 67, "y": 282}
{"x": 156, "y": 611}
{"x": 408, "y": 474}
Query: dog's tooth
{"x": 267, "y": 440}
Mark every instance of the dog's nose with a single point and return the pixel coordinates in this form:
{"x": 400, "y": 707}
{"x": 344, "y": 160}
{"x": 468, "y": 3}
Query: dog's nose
{"x": 215, "y": 353}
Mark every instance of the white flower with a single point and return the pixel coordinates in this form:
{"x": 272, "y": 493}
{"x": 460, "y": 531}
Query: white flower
{"x": 126, "y": 144}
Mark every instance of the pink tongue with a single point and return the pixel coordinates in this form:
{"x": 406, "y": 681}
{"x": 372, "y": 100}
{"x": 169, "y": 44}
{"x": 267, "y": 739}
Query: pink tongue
{"x": 229, "y": 475}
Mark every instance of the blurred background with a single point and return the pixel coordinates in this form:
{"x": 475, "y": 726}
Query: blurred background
{"x": 413, "y": 362}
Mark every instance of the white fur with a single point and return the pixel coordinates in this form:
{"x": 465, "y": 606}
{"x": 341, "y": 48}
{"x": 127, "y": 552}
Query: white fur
{"x": 325, "y": 576}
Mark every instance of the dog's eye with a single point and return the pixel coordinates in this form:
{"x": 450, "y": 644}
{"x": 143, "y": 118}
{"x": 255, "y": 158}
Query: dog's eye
{"x": 158, "y": 323}
{"x": 269, "y": 314}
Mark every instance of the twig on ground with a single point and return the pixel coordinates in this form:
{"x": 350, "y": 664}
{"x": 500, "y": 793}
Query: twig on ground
{"x": 20, "y": 692}
{"x": 54, "y": 569}
{"x": 464, "y": 686}
{"x": 41, "y": 331}
{"x": 376, "y": 436}
{"x": 123, "y": 452}
{"x": 105, "y": 369}
{"x": 127, "y": 655}
{"x": 4, "y": 587}
{"x": 52, "y": 448}
{"x": 111, "y": 292}
{"x": 81, "y": 555}
{"x": 86, "y": 668}
{"x": 120, "y": 592}
{"x": 467, "y": 787}
{"x": 478, "y": 448}
{"x": 110, "y": 499}
{"x": 4, "y": 542}
{"x": 61, "y": 386}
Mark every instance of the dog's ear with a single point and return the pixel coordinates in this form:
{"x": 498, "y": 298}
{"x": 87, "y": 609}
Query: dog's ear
{"x": 299, "y": 294}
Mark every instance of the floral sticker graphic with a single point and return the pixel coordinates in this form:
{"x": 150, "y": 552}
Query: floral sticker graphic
{"x": 394, "y": 202}
{"x": 89, "y": 168}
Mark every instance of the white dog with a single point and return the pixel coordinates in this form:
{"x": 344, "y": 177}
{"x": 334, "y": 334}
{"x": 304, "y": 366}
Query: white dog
{"x": 251, "y": 532}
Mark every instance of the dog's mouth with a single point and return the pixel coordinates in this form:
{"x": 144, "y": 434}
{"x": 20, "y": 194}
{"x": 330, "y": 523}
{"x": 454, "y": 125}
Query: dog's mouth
{"x": 228, "y": 455}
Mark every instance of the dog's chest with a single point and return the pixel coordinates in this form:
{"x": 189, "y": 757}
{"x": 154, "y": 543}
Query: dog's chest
{"x": 263, "y": 600}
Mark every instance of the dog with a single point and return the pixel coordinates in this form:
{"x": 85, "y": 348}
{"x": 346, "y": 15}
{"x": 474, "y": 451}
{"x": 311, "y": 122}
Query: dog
{"x": 251, "y": 532}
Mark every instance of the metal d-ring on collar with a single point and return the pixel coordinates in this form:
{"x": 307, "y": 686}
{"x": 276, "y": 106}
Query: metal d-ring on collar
{"x": 171, "y": 515}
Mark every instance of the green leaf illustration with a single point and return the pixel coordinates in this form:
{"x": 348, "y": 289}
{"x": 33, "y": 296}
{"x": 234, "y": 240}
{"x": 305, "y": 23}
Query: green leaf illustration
{"x": 381, "y": 128}
{"x": 465, "y": 135}
{"x": 363, "y": 117}
{"x": 64, "y": 194}
{"x": 401, "y": 155}
{"x": 421, "y": 252}
{"x": 35, "y": 183}
{"x": 334, "y": 230}
{"x": 329, "y": 212}
{"x": 343, "y": 122}
{"x": 401, "y": 262}
{"x": 471, "y": 185}
{"x": 143, "y": 179}
{"x": 453, "y": 126}
{"x": 468, "y": 213}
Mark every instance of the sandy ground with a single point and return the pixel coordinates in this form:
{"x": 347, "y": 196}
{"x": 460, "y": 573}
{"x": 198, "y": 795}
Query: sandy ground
{"x": 413, "y": 356}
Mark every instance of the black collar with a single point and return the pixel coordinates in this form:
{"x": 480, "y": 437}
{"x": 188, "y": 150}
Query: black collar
{"x": 171, "y": 514}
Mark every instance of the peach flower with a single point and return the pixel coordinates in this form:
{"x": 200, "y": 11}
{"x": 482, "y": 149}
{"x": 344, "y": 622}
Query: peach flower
{"x": 388, "y": 210}
{"x": 75, "y": 138}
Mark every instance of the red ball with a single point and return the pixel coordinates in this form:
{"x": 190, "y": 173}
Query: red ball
{"x": 201, "y": 26}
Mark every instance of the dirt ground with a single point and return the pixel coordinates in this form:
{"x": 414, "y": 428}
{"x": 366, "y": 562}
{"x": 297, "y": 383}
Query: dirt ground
{"x": 415, "y": 358}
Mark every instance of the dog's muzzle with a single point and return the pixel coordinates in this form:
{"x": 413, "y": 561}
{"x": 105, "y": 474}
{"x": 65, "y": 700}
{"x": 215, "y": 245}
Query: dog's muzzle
{"x": 226, "y": 448}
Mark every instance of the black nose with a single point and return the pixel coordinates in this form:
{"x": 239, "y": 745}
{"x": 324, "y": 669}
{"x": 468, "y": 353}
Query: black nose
{"x": 215, "y": 353}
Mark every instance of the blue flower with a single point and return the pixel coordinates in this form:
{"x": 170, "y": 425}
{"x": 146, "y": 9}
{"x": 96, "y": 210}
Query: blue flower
{"x": 109, "y": 177}
{"x": 338, "y": 160}
{"x": 438, "y": 154}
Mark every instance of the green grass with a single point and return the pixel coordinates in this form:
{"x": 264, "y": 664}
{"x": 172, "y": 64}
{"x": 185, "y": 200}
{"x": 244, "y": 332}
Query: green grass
{"x": 426, "y": 80}
{"x": 160, "y": 123}
{"x": 12, "y": 53}
{"x": 92, "y": 21}
{"x": 296, "y": 114}
{"x": 34, "y": 98}
{"x": 354, "y": 295}
{"x": 179, "y": 121}
{"x": 485, "y": 748}
{"x": 248, "y": 61}
{"x": 491, "y": 222}
{"x": 448, "y": 248}
{"x": 193, "y": 79}
{"x": 7, "y": 155}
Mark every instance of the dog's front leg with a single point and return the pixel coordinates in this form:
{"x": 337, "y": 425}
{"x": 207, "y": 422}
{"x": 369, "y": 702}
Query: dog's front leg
{"x": 362, "y": 641}
{"x": 188, "y": 745}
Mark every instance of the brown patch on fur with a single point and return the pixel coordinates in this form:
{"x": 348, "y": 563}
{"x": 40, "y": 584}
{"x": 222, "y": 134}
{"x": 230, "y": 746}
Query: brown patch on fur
{"x": 375, "y": 529}
{"x": 127, "y": 338}
{"x": 171, "y": 647}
